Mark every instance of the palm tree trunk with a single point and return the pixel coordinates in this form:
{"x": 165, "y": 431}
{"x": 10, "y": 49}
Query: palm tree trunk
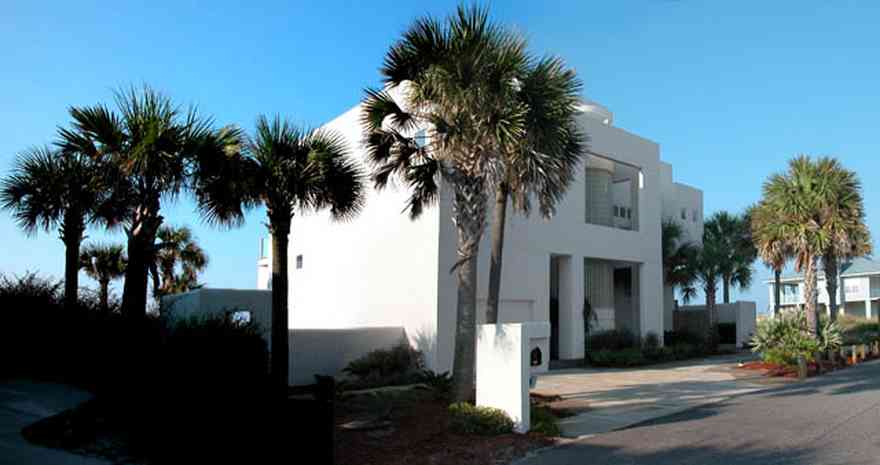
{"x": 104, "y": 294}
{"x": 495, "y": 260}
{"x": 777, "y": 291}
{"x": 280, "y": 355}
{"x": 711, "y": 316}
{"x": 72, "y": 235}
{"x": 811, "y": 295}
{"x": 141, "y": 242}
{"x": 829, "y": 262}
{"x": 469, "y": 216}
{"x": 726, "y": 289}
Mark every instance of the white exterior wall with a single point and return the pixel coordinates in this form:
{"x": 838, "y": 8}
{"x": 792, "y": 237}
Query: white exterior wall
{"x": 382, "y": 269}
{"x": 378, "y": 270}
{"x": 678, "y": 197}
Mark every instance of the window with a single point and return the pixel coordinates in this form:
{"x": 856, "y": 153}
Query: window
{"x": 617, "y": 211}
{"x": 695, "y": 216}
{"x": 684, "y": 213}
{"x": 629, "y": 213}
{"x": 240, "y": 317}
{"x": 299, "y": 262}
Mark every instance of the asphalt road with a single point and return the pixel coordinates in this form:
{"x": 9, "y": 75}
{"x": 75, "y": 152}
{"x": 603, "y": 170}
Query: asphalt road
{"x": 834, "y": 419}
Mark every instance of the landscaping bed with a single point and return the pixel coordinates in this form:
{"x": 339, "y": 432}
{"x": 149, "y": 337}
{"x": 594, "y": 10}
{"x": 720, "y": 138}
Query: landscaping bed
{"x": 780, "y": 370}
{"x": 413, "y": 426}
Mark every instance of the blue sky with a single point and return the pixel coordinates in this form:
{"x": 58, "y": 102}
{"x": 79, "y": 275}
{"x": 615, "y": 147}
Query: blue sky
{"x": 730, "y": 90}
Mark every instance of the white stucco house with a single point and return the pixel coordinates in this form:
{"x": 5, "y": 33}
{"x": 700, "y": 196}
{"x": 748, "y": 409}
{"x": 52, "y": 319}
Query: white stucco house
{"x": 603, "y": 245}
{"x": 858, "y": 289}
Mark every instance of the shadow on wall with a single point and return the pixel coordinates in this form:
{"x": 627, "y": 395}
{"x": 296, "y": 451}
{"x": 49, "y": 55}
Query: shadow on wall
{"x": 327, "y": 351}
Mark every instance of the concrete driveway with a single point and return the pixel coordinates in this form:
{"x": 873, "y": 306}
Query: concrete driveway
{"x": 23, "y": 403}
{"x": 604, "y": 400}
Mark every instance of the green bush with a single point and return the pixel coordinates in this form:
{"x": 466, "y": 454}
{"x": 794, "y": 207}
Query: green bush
{"x": 544, "y": 421}
{"x": 619, "y": 358}
{"x": 465, "y": 418}
{"x": 613, "y": 339}
{"x": 651, "y": 341}
{"x": 440, "y": 384}
{"x": 855, "y": 330}
{"x": 386, "y": 367}
{"x": 783, "y": 339}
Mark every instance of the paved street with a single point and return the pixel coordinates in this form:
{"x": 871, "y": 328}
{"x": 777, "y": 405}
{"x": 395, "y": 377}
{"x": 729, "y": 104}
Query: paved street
{"x": 610, "y": 399}
{"x": 834, "y": 419}
{"x": 22, "y": 403}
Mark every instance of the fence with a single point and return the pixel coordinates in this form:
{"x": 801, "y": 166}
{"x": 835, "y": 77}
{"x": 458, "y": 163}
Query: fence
{"x": 692, "y": 318}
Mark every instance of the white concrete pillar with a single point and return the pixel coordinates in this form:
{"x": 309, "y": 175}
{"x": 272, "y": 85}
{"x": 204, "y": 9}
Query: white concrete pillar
{"x": 650, "y": 281}
{"x": 571, "y": 308}
{"x": 868, "y": 308}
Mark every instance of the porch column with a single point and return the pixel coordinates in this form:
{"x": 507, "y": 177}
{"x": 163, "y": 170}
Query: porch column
{"x": 650, "y": 292}
{"x": 868, "y": 308}
{"x": 571, "y": 308}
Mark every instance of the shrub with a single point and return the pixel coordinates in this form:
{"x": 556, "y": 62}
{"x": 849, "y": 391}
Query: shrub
{"x": 672, "y": 338}
{"x": 783, "y": 339}
{"x": 465, "y": 418}
{"x": 386, "y": 367}
{"x": 651, "y": 341}
{"x": 613, "y": 339}
{"x": 544, "y": 421}
{"x": 440, "y": 384}
{"x": 855, "y": 330}
{"x": 619, "y": 358}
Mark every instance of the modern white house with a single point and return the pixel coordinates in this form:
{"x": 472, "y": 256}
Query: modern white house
{"x": 603, "y": 246}
{"x": 858, "y": 289}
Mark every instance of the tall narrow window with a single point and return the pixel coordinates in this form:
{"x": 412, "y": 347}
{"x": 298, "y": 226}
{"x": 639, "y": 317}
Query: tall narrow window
{"x": 299, "y": 262}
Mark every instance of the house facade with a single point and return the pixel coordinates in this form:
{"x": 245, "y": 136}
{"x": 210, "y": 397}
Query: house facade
{"x": 858, "y": 289}
{"x": 602, "y": 247}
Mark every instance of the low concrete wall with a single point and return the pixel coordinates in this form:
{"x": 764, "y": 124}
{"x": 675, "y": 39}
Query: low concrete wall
{"x": 327, "y": 351}
{"x": 743, "y": 313}
{"x": 312, "y": 351}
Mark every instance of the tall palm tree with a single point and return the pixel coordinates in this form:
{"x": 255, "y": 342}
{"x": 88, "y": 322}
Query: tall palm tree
{"x": 740, "y": 253}
{"x": 543, "y": 165}
{"x": 103, "y": 263}
{"x": 289, "y": 171}
{"x": 156, "y": 147}
{"x": 677, "y": 253}
{"x": 51, "y": 189}
{"x": 772, "y": 246}
{"x": 705, "y": 267}
{"x": 176, "y": 248}
{"x": 845, "y": 223}
{"x": 454, "y": 79}
{"x": 807, "y": 200}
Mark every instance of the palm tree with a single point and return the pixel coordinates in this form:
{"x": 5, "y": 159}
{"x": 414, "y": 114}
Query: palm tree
{"x": 103, "y": 263}
{"x": 677, "y": 253}
{"x": 810, "y": 208}
{"x": 51, "y": 189}
{"x": 740, "y": 253}
{"x": 543, "y": 165}
{"x": 771, "y": 245}
{"x": 290, "y": 171}
{"x": 455, "y": 80}
{"x": 156, "y": 147}
{"x": 845, "y": 222}
{"x": 176, "y": 246}
{"x": 705, "y": 266}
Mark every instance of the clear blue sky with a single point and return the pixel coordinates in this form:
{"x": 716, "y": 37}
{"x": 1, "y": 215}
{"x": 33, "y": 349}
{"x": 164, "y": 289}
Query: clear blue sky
{"x": 730, "y": 90}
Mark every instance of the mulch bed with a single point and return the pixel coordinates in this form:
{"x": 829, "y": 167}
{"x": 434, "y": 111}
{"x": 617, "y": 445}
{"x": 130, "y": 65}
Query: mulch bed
{"x": 417, "y": 431}
{"x": 786, "y": 371}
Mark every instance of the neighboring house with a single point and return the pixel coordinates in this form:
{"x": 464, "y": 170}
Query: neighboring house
{"x": 858, "y": 290}
{"x": 603, "y": 245}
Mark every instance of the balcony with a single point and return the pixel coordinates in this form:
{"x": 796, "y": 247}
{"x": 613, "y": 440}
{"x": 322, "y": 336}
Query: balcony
{"x": 612, "y": 193}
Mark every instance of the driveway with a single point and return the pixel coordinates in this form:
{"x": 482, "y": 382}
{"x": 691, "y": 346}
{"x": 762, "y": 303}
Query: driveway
{"x": 829, "y": 420}
{"x": 23, "y": 403}
{"x": 604, "y": 400}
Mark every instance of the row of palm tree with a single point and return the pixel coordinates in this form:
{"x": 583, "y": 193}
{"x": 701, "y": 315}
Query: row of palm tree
{"x": 724, "y": 258}
{"x": 812, "y": 211}
{"x": 500, "y": 123}
{"x": 464, "y": 105}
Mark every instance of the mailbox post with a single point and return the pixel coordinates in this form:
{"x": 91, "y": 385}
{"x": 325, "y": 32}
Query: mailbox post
{"x": 509, "y": 356}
